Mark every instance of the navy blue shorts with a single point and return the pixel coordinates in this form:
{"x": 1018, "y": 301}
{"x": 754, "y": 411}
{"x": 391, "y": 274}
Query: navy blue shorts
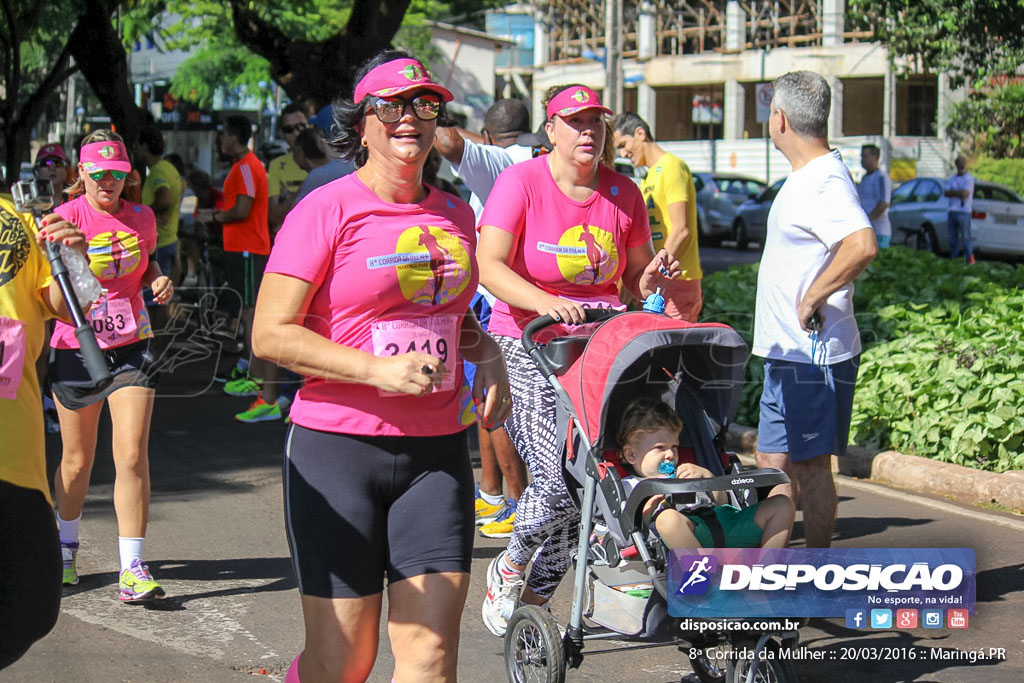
{"x": 361, "y": 508}
{"x": 806, "y": 408}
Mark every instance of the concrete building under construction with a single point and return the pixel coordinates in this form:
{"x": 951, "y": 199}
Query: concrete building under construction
{"x": 698, "y": 71}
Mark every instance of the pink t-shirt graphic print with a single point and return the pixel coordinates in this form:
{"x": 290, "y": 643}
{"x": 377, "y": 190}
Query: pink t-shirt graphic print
{"x": 571, "y": 249}
{"x": 390, "y": 279}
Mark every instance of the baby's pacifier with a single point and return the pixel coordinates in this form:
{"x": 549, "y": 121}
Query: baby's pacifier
{"x": 667, "y": 468}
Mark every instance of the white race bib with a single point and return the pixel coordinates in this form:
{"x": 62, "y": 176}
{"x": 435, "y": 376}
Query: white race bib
{"x": 113, "y": 322}
{"x": 436, "y": 336}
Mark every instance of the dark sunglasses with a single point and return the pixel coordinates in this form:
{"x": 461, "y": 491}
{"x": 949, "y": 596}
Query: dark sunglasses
{"x": 116, "y": 175}
{"x": 391, "y": 109}
{"x": 294, "y": 128}
{"x": 52, "y": 163}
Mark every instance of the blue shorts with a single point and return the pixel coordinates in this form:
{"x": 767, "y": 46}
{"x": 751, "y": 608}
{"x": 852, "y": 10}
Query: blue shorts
{"x": 482, "y": 309}
{"x": 806, "y": 409}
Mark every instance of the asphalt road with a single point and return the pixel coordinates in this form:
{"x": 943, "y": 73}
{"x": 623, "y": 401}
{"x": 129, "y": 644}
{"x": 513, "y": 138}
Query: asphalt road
{"x": 217, "y": 543}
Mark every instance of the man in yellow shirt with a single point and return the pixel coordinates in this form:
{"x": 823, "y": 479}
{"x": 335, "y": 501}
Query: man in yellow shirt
{"x": 162, "y": 193}
{"x": 30, "y": 557}
{"x": 284, "y": 176}
{"x": 672, "y": 207}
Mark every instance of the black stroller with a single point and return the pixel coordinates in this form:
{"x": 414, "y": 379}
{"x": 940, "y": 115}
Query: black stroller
{"x": 699, "y": 369}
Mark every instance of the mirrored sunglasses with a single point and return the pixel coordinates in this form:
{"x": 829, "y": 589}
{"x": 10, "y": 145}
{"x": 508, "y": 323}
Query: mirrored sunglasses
{"x": 116, "y": 175}
{"x": 51, "y": 163}
{"x": 391, "y": 109}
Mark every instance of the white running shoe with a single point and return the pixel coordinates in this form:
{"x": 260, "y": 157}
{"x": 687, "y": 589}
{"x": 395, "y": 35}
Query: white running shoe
{"x": 501, "y": 600}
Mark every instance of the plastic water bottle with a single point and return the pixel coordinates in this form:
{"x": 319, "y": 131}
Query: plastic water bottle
{"x": 86, "y": 286}
{"x": 655, "y": 303}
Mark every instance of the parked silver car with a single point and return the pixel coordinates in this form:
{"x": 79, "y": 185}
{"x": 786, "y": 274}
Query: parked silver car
{"x": 918, "y": 216}
{"x": 751, "y": 222}
{"x": 718, "y": 196}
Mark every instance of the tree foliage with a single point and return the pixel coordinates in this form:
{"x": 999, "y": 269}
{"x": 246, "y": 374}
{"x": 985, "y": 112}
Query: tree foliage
{"x": 991, "y": 122}
{"x": 311, "y": 48}
{"x": 34, "y": 60}
{"x": 970, "y": 41}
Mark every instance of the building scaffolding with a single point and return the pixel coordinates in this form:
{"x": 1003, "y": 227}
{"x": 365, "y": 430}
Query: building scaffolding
{"x": 576, "y": 28}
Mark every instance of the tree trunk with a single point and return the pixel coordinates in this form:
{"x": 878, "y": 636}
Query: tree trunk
{"x": 319, "y": 72}
{"x": 103, "y": 61}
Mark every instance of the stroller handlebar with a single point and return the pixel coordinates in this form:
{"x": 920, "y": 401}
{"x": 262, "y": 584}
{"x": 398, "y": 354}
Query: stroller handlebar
{"x": 593, "y": 315}
{"x": 667, "y": 487}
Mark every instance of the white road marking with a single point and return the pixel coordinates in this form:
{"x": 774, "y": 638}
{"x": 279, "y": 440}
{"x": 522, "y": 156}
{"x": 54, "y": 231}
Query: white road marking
{"x": 202, "y": 629}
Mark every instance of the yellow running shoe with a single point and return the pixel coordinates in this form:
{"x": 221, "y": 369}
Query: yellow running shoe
{"x": 485, "y": 512}
{"x": 137, "y": 584}
{"x": 502, "y": 525}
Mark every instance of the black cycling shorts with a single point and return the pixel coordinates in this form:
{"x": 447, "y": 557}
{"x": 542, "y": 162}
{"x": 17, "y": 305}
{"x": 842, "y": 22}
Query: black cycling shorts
{"x": 244, "y": 273}
{"x": 360, "y": 508}
{"x": 132, "y": 365}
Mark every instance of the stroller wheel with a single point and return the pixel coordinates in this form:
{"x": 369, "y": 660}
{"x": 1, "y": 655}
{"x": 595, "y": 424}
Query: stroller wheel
{"x": 709, "y": 668}
{"x": 533, "y": 647}
{"x": 770, "y": 669}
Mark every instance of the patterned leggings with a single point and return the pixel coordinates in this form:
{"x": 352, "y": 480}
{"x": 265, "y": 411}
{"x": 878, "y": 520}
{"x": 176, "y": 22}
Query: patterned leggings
{"x": 546, "y": 517}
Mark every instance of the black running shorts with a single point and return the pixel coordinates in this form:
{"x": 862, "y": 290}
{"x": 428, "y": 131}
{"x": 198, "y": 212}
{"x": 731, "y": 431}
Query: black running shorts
{"x": 132, "y": 365}
{"x": 359, "y": 509}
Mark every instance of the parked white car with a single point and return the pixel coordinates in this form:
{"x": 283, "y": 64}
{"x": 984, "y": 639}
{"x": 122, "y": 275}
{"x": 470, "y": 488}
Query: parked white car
{"x": 918, "y": 216}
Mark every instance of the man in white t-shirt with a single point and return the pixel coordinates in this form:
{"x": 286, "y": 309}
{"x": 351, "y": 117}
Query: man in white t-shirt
{"x": 875, "y": 190}
{"x": 818, "y": 241}
{"x": 478, "y": 164}
{"x": 960, "y": 201}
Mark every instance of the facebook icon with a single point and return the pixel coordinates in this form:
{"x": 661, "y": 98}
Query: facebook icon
{"x": 856, "y": 618}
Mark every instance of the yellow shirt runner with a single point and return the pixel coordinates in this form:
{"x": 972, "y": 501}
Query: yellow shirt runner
{"x": 669, "y": 181}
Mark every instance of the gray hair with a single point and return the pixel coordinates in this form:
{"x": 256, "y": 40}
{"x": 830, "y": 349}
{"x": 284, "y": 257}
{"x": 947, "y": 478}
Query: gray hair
{"x": 805, "y": 98}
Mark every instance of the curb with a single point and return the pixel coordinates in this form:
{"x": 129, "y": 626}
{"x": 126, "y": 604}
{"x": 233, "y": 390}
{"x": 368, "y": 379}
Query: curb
{"x": 956, "y": 482}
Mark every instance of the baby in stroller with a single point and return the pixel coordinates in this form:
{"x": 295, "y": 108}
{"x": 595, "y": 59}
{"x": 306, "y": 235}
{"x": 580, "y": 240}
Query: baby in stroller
{"x": 649, "y": 438}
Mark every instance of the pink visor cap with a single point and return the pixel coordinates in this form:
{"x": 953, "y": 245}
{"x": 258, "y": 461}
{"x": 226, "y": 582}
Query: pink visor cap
{"x": 108, "y": 155}
{"x": 574, "y": 99}
{"x": 396, "y": 77}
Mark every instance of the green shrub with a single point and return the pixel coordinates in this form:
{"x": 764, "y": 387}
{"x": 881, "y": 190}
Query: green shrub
{"x": 940, "y": 373}
{"x": 1009, "y": 172}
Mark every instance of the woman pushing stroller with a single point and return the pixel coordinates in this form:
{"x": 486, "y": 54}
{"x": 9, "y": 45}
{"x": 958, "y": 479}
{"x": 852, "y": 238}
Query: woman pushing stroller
{"x": 557, "y": 234}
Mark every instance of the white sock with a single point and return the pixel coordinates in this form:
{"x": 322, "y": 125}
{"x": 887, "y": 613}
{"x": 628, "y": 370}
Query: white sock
{"x": 493, "y": 500}
{"x": 507, "y": 571}
{"x": 68, "y": 529}
{"x": 130, "y": 549}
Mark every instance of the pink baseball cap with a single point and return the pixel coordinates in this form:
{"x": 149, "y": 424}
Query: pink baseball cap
{"x": 396, "y": 77}
{"x": 106, "y": 155}
{"x": 573, "y": 99}
{"x": 51, "y": 151}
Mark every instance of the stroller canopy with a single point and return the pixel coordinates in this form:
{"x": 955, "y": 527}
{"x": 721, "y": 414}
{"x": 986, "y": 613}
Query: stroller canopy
{"x": 634, "y": 350}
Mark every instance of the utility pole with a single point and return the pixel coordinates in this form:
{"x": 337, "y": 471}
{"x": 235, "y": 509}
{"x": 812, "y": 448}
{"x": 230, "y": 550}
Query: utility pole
{"x": 613, "y": 95}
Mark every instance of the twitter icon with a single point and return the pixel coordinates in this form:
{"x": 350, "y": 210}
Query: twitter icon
{"x": 881, "y": 618}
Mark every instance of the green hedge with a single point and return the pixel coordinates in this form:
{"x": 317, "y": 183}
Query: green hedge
{"x": 1009, "y": 172}
{"x": 943, "y": 350}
